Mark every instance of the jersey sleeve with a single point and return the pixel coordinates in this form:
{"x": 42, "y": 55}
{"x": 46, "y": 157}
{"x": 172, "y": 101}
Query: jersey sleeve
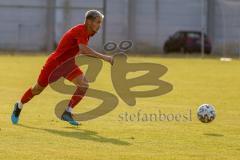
{"x": 80, "y": 36}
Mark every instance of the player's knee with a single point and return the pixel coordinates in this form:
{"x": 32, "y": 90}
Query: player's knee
{"x": 86, "y": 85}
{"x": 81, "y": 82}
{"x": 83, "y": 85}
{"x": 36, "y": 90}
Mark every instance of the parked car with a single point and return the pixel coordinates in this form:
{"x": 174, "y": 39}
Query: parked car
{"x": 187, "y": 42}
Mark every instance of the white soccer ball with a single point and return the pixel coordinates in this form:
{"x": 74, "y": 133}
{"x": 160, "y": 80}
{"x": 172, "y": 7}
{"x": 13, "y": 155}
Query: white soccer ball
{"x": 206, "y": 113}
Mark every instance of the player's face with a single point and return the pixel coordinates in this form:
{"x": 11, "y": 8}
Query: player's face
{"x": 96, "y": 24}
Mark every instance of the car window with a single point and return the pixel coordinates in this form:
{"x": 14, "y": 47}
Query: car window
{"x": 176, "y": 35}
{"x": 194, "y": 35}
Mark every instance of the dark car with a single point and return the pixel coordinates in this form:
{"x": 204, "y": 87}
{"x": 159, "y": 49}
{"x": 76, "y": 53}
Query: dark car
{"x": 187, "y": 42}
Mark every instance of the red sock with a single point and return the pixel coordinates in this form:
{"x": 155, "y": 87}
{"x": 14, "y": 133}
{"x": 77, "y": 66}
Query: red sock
{"x": 27, "y": 96}
{"x": 77, "y": 97}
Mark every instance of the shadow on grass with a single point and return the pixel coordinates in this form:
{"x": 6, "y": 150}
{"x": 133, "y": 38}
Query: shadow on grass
{"x": 213, "y": 134}
{"x": 81, "y": 134}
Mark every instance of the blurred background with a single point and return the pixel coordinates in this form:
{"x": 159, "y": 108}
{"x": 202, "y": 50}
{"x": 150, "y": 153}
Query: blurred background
{"x": 155, "y": 26}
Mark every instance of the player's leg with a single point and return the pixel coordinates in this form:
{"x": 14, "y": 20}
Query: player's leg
{"x": 82, "y": 86}
{"x": 31, "y": 92}
{"x": 42, "y": 82}
{"x": 78, "y": 78}
{"x": 27, "y": 96}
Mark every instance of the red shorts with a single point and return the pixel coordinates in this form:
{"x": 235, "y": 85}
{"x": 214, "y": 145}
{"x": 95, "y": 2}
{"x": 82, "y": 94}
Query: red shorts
{"x": 53, "y": 70}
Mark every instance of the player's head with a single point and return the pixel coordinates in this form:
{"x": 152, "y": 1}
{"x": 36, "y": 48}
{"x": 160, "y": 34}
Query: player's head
{"x": 93, "y": 20}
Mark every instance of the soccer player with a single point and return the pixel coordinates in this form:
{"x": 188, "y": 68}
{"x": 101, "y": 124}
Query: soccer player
{"x": 73, "y": 42}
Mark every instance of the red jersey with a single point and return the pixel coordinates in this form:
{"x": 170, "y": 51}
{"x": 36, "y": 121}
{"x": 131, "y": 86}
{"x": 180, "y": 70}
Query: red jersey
{"x": 68, "y": 45}
{"x": 61, "y": 63}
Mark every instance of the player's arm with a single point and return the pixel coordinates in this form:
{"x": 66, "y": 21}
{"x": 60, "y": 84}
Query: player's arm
{"x": 92, "y": 53}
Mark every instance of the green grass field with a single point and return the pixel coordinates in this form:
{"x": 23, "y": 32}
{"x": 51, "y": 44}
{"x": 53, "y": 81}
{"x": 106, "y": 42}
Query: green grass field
{"x": 40, "y": 135}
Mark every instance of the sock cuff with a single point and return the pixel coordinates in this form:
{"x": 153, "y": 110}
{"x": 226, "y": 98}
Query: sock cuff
{"x": 69, "y": 109}
{"x": 20, "y": 105}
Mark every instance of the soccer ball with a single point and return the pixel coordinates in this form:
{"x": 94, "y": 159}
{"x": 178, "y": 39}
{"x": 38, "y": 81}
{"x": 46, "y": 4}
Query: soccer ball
{"x": 206, "y": 113}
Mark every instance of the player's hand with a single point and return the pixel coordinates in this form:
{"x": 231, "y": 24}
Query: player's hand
{"x": 109, "y": 59}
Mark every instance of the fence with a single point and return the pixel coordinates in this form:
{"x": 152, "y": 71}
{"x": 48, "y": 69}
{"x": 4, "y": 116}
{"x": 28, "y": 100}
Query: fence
{"x": 38, "y": 25}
